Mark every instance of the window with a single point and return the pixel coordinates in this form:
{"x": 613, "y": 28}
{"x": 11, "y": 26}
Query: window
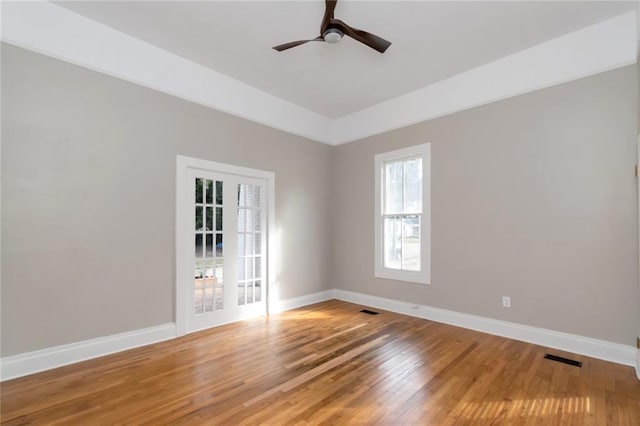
{"x": 402, "y": 214}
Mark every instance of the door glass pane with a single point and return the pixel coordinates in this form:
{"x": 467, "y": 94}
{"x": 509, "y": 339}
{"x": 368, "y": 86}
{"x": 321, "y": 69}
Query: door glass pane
{"x": 413, "y": 186}
{"x": 250, "y": 292}
{"x": 250, "y": 243}
{"x": 257, "y": 220}
{"x": 257, "y": 243}
{"x": 198, "y": 218}
{"x": 249, "y": 218}
{"x": 241, "y": 268}
{"x": 198, "y": 190}
{"x": 218, "y": 218}
{"x": 240, "y": 244}
{"x": 198, "y": 271}
{"x": 198, "y": 294}
{"x": 241, "y": 219}
{"x": 209, "y": 218}
{"x": 219, "y": 192}
{"x": 209, "y": 245}
{"x": 392, "y": 242}
{"x": 198, "y": 245}
{"x": 258, "y": 267}
{"x": 208, "y": 299}
{"x": 209, "y": 197}
{"x": 219, "y": 295}
{"x": 248, "y": 270}
{"x": 253, "y": 195}
{"x": 219, "y": 245}
{"x": 257, "y": 291}
{"x": 208, "y": 272}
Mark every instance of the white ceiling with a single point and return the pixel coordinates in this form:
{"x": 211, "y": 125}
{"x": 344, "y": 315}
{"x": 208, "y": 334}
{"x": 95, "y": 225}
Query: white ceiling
{"x": 431, "y": 41}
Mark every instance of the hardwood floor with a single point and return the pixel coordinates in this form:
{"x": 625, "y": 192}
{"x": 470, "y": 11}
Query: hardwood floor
{"x": 329, "y": 364}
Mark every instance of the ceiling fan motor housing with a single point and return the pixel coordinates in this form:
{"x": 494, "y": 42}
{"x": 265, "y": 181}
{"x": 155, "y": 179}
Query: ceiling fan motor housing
{"x": 332, "y": 35}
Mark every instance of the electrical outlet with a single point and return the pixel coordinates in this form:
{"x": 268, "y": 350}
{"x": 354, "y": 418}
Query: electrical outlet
{"x": 506, "y": 301}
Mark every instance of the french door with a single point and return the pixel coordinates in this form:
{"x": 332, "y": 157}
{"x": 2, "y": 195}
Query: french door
{"x": 226, "y": 257}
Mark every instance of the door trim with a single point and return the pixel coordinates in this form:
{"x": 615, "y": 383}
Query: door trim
{"x": 183, "y": 164}
{"x": 638, "y": 194}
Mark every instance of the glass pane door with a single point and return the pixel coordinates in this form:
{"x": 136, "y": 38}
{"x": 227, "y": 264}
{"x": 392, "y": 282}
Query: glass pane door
{"x": 228, "y": 255}
{"x": 250, "y": 237}
{"x": 208, "y": 267}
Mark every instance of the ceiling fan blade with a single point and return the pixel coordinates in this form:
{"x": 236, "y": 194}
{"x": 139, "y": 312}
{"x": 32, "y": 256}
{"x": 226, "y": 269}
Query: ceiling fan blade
{"x": 291, "y": 44}
{"x": 330, "y": 6}
{"x": 371, "y": 40}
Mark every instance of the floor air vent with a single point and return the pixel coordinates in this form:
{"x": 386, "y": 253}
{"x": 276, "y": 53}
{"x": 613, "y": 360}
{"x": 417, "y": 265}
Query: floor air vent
{"x": 563, "y": 360}
{"x": 366, "y": 311}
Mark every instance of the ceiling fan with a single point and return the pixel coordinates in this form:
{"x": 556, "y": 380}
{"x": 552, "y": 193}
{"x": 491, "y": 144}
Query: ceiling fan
{"x": 332, "y": 30}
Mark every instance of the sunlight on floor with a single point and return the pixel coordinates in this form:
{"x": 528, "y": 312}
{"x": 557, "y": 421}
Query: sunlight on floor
{"x": 525, "y": 407}
{"x": 306, "y": 315}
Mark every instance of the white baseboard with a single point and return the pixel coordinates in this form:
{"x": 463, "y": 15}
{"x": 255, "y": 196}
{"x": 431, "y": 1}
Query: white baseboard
{"x": 27, "y": 363}
{"x": 601, "y": 349}
{"x": 297, "y": 302}
{"x": 32, "y": 362}
{"x": 57, "y": 356}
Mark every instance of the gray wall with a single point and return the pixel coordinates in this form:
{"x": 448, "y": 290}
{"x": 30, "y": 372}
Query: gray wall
{"x": 533, "y": 197}
{"x": 88, "y": 200}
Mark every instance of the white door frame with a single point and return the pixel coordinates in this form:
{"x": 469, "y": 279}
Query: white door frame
{"x": 183, "y": 165}
{"x": 638, "y": 319}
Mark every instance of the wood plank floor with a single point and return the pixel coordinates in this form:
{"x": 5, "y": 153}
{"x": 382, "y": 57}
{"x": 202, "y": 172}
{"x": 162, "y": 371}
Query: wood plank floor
{"x": 329, "y": 364}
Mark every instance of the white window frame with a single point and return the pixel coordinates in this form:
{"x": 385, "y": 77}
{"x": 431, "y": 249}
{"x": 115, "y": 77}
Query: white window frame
{"x": 424, "y": 275}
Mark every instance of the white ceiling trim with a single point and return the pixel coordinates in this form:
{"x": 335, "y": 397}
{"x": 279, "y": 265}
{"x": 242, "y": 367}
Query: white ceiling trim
{"x": 57, "y": 32}
{"x": 601, "y": 47}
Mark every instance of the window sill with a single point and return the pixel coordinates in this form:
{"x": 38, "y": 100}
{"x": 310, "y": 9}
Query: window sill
{"x": 412, "y": 277}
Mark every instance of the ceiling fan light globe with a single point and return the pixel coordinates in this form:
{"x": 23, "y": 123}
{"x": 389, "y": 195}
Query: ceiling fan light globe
{"x": 332, "y": 36}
